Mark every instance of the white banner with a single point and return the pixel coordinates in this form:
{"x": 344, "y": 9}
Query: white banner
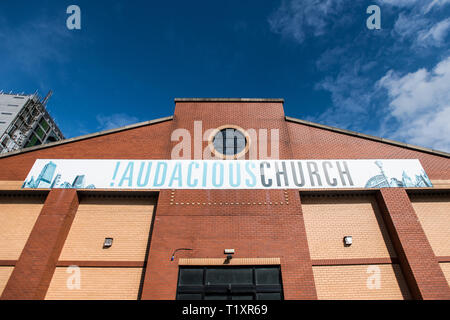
{"x": 221, "y": 174}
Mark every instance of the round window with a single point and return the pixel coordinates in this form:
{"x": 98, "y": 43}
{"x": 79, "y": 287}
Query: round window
{"x": 230, "y": 142}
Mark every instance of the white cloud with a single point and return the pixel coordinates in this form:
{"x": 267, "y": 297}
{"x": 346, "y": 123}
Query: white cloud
{"x": 423, "y": 5}
{"x": 300, "y": 19}
{"x": 349, "y": 96}
{"x": 416, "y": 24}
{"x": 351, "y": 92}
{"x": 412, "y": 108}
{"x": 423, "y": 31}
{"x": 407, "y": 25}
{"x": 115, "y": 120}
{"x": 400, "y": 3}
{"x": 435, "y": 3}
{"x": 435, "y": 35}
{"x": 419, "y": 102}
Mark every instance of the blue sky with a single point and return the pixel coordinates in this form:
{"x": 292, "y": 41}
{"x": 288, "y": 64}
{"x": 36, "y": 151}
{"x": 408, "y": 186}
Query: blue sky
{"x": 131, "y": 58}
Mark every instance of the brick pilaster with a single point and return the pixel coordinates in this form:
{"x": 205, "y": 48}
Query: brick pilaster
{"x": 34, "y": 269}
{"x": 298, "y": 281}
{"x": 417, "y": 260}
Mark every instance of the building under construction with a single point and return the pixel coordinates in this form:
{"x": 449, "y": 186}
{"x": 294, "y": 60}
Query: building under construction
{"x": 25, "y": 122}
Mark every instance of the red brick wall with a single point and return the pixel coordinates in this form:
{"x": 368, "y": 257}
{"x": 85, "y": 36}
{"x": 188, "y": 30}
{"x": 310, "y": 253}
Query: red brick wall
{"x": 150, "y": 142}
{"x": 255, "y": 223}
{"x": 417, "y": 260}
{"x": 34, "y": 269}
{"x": 153, "y": 141}
{"x": 313, "y": 143}
{"x": 255, "y": 236}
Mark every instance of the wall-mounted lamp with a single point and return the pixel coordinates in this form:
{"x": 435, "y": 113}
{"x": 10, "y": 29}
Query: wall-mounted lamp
{"x": 228, "y": 259}
{"x": 179, "y": 249}
{"x": 229, "y": 253}
{"x": 348, "y": 241}
{"x": 108, "y": 243}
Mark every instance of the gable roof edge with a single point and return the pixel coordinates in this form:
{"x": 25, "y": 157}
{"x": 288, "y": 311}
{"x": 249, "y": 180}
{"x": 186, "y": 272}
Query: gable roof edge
{"x": 369, "y": 137}
{"x": 277, "y": 100}
{"x": 85, "y": 137}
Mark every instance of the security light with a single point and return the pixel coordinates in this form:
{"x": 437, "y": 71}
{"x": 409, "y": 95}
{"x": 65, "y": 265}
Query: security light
{"x": 348, "y": 240}
{"x": 108, "y": 243}
{"x": 229, "y": 253}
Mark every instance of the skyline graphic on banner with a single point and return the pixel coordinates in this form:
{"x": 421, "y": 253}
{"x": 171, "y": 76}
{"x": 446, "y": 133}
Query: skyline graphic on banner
{"x": 46, "y": 180}
{"x": 384, "y": 181}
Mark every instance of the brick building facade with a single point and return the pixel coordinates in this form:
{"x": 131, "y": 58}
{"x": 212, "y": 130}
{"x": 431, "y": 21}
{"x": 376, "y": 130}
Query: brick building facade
{"x": 401, "y": 246}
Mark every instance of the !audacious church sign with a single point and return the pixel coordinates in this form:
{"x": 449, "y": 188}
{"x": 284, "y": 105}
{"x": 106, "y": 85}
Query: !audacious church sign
{"x": 221, "y": 174}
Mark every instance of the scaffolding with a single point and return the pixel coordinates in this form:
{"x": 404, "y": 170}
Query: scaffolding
{"x": 32, "y": 125}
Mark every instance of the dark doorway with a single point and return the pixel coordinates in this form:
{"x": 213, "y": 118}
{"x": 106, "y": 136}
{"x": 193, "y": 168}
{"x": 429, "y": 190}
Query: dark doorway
{"x": 230, "y": 283}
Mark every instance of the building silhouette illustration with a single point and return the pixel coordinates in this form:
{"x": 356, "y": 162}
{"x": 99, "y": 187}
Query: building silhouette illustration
{"x": 45, "y": 180}
{"x": 383, "y": 181}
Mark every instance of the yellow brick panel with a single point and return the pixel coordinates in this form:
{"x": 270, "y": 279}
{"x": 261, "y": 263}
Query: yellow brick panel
{"x": 5, "y": 273}
{"x": 441, "y": 183}
{"x": 11, "y": 185}
{"x": 127, "y": 221}
{"x": 434, "y": 216}
{"x": 329, "y": 219}
{"x": 445, "y": 266}
{"x": 95, "y": 284}
{"x": 17, "y": 219}
{"x": 359, "y": 282}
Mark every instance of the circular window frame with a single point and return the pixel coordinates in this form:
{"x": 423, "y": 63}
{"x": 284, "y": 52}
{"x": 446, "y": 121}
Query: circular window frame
{"x": 217, "y": 153}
